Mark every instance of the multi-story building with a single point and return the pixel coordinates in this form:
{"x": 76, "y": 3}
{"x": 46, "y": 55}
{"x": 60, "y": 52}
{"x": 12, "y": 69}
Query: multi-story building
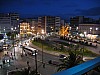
{"x": 49, "y": 24}
{"x": 62, "y": 22}
{"x": 8, "y": 21}
{"x": 5, "y": 23}
{"x": 15, "y": 20}
{"x": 57, "y": 24}
{"x": 89, "y": 29}
{"x": 75, "y": 21}
{"x": 24, "y": 29}
{"x": 33, "y": 24}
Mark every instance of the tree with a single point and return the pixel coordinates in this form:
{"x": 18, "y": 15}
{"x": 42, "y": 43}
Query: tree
{"x": 64, "y": 30}
{"x": 72, "y": 60}
{"x": 9, "y": 34}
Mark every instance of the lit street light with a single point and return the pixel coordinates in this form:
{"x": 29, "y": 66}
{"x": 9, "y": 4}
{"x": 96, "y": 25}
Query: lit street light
{"x": 36, "y": 61}
{"x": 13, "y": 40}
{"x": 42, "y": 44}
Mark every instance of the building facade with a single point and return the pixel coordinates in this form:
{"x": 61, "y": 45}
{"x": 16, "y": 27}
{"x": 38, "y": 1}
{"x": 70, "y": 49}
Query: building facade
{"x": 24, "y": 29}
{"x": 33, "y": 24}
{"x": 5, "y": 23}
{"x": 49, "y": 24}
{"x": 15, "y": 21}
{"x": 8, "y": 21}
{"x": 89, "y": 29}
{"x": 75, "y": 21}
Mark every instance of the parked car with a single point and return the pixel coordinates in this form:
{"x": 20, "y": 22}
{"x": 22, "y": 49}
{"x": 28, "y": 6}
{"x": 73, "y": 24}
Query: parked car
{"x": 62, "y": 56}
{"x": 53, "y": 62}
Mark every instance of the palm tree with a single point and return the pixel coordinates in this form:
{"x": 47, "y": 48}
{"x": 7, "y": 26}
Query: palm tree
{"x": 72, "y": 60}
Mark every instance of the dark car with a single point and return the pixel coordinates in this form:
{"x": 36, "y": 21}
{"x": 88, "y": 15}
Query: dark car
{"x": 53, "y": 62}
{"x": 62, "y": 56}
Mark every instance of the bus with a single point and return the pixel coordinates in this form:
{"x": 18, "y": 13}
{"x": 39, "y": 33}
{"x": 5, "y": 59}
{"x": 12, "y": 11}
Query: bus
{"x": 29, "y": 50}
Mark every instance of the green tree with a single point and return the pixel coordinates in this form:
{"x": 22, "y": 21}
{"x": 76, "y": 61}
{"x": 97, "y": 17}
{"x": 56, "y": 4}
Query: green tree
{"x": 70, "y": 61}
{"x": 9, "y": 34}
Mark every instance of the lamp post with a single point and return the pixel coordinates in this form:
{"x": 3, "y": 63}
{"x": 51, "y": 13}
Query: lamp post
{"x": 36, "y": 62}
{"x": 91, "y": 33}
{"x": 82, "y": 52}
{"x": 4, "y": 37}
{"x": 42, "y": 44}
{"x": 13, "y": 40}
{"x": 42, "y": 52}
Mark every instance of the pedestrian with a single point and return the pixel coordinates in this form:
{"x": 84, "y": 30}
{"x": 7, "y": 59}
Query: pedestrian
{"x": 28, "y": 63}
{"x": 3, "y": 61}
{"x": 43, "y": 65}
{"x": 96, "y": 45}
{"x": 12, "y": 56}
{"x": 1, "y": 65}
{"x": 16, "y": 68}
{"x": 7, "y": 54}
{"x": 50, "y": 61}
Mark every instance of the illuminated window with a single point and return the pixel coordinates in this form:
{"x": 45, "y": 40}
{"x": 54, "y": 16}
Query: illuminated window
{"x": 90, "y": 27}
{"x": 96, "y": 28}
{"x": 76, "y": 28}
{"x": 17, "y": 18}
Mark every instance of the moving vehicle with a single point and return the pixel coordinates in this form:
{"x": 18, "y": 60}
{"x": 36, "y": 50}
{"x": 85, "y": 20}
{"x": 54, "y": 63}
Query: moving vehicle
{"x": 5, "y": 46}
{"x": 30, "y": 50}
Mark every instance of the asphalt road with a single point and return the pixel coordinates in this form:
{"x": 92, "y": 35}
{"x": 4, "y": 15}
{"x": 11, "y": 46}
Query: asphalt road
{"x": 21, "y": 62}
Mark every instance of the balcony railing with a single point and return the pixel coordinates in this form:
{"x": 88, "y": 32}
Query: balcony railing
{"x": 82, "y": 68}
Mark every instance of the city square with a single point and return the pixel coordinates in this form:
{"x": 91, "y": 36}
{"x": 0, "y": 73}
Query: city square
{"x": 50, "y": 37}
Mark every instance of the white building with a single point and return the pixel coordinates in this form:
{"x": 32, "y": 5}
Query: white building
{"x": 15, "y": 21}
{"x": 5, "y": 23}
{"x": 89, "y": 29}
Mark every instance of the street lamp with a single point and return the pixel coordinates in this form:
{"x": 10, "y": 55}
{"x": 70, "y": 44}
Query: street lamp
{"x": 85, "y": 34}
{"x": 36, "y": 61}
{"x": 42, "y": 44}
{"x": 82, "y": 51}
{"x": 13, "y": 40}
{"x": 90, "y": 30}
{"x": 5, "y": 39}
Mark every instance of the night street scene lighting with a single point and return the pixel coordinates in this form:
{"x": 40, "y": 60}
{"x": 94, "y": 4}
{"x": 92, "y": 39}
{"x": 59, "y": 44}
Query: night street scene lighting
{"x": 50, "y": 37}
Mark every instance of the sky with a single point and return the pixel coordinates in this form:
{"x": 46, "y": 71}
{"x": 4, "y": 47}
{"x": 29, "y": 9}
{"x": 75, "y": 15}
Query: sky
{"x": 62, "y": 8}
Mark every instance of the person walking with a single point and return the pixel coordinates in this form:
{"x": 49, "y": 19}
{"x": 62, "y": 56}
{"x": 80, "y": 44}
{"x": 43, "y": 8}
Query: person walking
{"x": 43, "y": 65}
{"x": 12, "y": 56}
{"x": 28, "y": 63}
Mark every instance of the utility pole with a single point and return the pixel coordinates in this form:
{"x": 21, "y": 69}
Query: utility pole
{"x": 42, "y": 52}
{"x": 13, "y": 43}
{"x": 13, "y": 39}
{"x": 36, "y": 61}
{"x": 82, "y": 52}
